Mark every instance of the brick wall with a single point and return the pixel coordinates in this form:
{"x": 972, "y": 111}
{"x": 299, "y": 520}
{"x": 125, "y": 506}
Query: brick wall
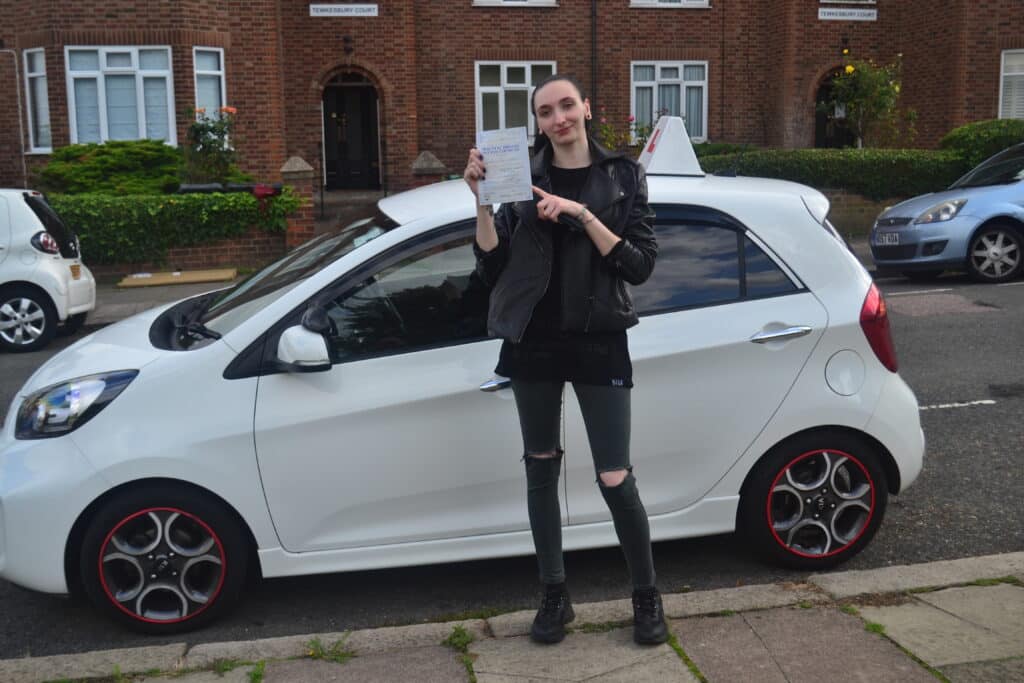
{"x": 852, "y": 214}
{"x": 766, "y": 60}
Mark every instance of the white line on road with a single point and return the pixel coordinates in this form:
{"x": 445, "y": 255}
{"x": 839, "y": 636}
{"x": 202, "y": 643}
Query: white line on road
{"x": 919, "y": 291}
{"x": 966, "y": 404}
{"x": 1011, "y": 284}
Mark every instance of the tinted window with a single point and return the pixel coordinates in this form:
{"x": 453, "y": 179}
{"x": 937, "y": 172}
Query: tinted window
{"x": 763, "y": 277}
{"x": 699, "y": 264}
{"x": 432, "y": 298}
{"x": 1005, "y": 167}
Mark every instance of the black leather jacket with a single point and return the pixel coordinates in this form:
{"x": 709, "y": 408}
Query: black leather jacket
{"x": 594, "y": 294}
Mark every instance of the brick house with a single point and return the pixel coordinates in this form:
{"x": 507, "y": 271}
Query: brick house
{"x": 361, "y": 90}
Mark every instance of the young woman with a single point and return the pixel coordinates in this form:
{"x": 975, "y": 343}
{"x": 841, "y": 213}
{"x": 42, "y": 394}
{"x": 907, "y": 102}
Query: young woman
{"x": 557, "y": 268}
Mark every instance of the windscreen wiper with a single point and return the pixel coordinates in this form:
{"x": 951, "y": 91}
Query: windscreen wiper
{"x": 191, "y": 325}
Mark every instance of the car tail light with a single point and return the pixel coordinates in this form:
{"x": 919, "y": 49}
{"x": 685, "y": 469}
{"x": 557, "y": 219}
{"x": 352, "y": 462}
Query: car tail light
{"x": 44, "y": 242}
{"x": 875, "y": 322}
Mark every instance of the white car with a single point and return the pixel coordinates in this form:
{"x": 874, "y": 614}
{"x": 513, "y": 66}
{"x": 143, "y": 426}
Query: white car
{"x": 337, "y": 410}
{"x": 44, "y": 286}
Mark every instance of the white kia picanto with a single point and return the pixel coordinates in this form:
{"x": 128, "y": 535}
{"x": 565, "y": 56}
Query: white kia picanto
{"x": 337, "y": 410}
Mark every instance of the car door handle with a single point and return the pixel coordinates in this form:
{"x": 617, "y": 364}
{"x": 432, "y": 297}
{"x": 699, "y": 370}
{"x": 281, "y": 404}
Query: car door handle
{"x": 779, "y": 335}
{"x": 496, "y": 384}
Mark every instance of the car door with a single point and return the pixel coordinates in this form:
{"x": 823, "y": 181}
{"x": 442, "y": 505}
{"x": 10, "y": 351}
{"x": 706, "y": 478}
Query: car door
{"x": 396, "y": 443}
{"x": 724, "y": 332}
{"x": 5, "y": 230}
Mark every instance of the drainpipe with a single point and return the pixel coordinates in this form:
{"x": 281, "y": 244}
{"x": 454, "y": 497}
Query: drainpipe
{"x": 21, "y": 120}
{"x": 593, "y": 50}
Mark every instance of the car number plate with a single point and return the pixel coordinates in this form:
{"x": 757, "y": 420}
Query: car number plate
{"x": 76, "y": 271}
{"x": 888, "y": 238}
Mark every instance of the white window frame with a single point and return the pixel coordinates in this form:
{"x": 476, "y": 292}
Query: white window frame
{"x": 1002, "y": 80}
{"x": 670, "y": 4}
{"x": 515, "y": 3}
{"x": 33, "y": 147}
{"x": 196, "y": 73}
{"x": 101, "y": 88}
{"x": 848, "y": 2}
{"x": 658, "y": 64}
{"x": 501, "y": 88}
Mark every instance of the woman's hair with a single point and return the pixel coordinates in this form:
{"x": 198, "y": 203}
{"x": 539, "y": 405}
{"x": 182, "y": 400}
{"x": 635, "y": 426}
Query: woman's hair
{"x": 540, "y": 140}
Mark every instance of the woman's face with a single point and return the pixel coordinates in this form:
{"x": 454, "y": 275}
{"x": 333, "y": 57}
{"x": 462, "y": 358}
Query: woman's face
{"x": 561, "y": 114}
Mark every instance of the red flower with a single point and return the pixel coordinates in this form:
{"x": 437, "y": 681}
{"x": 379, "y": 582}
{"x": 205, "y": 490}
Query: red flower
{"x": 631, "y": 118}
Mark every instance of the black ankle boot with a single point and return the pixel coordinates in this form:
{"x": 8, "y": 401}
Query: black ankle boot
{"x": 649, "y": 627}
{"x": 554, "y": 613}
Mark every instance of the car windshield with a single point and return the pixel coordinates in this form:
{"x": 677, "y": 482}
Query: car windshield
{"x": 1005, "y": 167}
{"x": 238, "y": 303}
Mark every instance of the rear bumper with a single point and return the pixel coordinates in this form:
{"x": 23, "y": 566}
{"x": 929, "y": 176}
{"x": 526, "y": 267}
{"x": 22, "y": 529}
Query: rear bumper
{"x": 896, "y": 423}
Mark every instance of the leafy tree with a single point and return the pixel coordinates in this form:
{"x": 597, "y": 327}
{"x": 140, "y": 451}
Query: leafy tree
{"x": 867, "y": 94}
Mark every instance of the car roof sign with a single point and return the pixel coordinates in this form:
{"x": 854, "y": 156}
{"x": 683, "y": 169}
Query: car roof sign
{"x": 669, "y": 151}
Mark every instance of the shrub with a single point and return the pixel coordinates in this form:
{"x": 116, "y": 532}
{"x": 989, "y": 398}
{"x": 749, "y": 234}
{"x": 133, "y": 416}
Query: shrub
{"x": 706, "y": 149}
{"x": 977, "y": 141}
{"x": 874, "y": 173}
{"x": 140, "y": 228}
{"x": 114, "y": 167}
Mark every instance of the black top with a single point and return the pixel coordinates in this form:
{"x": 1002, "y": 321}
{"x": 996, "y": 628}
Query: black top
{"x": 548, "y": 353}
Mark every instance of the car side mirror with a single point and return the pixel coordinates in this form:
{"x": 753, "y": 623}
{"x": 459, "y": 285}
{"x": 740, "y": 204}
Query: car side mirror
{"x": 302, "y": 350}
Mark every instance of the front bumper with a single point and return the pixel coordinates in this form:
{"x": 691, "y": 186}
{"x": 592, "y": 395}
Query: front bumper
{"x": 44, "y": 486}
{"x": 925, "y": 246}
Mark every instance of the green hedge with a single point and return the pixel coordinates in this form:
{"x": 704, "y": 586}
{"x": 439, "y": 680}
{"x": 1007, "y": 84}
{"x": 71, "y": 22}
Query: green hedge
{"x": 114, "y": 167}
{"x": 977, "y": 141}
{"x": 141, "y": 228}
{"x": 874, "y": 173}
{"x": 706, "y": 149}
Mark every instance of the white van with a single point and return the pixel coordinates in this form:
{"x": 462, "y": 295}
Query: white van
{"x": 43, "y": 282}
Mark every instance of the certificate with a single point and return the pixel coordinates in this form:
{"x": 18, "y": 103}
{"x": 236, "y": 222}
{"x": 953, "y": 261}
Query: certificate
{"x": 507, "y": 161}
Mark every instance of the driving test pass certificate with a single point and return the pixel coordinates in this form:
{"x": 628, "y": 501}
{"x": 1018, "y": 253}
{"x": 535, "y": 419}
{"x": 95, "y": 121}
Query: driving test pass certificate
{"x": 507, "y": 160}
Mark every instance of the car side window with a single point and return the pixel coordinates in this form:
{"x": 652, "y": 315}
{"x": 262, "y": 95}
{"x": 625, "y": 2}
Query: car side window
{"x": 703, "y": 264}
{"x": 430, "y": 298}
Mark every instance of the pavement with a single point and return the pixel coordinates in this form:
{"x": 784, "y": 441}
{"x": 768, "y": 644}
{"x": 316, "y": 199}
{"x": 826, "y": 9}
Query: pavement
{"x": 954, "y": 620}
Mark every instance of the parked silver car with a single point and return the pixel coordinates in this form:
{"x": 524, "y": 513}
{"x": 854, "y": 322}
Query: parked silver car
{"x": 977, "y": 225}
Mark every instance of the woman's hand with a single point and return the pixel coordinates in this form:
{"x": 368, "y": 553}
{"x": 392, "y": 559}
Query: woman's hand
{"x": 551, "y": 206}
{"x": 475, "y": 170}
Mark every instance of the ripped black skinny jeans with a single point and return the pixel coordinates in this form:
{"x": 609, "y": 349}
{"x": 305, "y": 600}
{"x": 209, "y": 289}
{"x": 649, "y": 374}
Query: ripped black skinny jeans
{"x": 606, "y": 413}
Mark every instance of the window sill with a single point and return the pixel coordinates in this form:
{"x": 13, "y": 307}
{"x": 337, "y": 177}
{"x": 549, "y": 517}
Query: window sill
{"x": 39, "y": 151}
{"x": 650, "y": 5}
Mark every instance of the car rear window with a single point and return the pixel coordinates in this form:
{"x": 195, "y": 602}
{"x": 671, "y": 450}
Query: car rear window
{"x": 66, "y": 239}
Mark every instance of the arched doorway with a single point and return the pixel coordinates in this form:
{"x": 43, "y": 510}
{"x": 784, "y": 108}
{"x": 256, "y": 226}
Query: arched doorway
{"x": 829, "y": 130}
{"x": 351, "y": 133}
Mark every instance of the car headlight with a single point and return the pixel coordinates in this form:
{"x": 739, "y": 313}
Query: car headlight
{"x": 62, "y": 408}
{"x": 941, "y": 212}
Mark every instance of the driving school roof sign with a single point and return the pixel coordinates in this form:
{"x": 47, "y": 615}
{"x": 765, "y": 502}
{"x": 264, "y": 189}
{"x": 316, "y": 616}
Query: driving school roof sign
{"x": 343, "y": 10}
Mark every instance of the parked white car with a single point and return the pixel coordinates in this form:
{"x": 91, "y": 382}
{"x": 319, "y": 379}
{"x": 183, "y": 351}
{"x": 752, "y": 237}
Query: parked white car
{"x": 44, "y": 286}
{"x": 337, "y": 410}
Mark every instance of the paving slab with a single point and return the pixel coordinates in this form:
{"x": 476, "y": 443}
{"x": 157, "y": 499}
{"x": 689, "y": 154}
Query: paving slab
{"x": 999, "y": 608}
{"x": 940, "y": 638}
{"x": 1002, "y": 671}
{"x": 238, "y": 675}
{"x": 581, "y": 656}
{"x": 91, "y": 664}
{"x": 435, "y": 664}
{"x": 812, "y": 645}
{"x": 740, "y": 599}
{"x": 726, "y": 649}
{"x": 928, "y": 575}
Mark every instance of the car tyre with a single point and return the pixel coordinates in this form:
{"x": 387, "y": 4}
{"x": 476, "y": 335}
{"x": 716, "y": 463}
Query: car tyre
{"x": 28, "y": 319}
{"x": 72, "y": 325}
{"x": 996, "y": 253}
{"x": 814, "y": 501}
{"x": 163, "y": 559}
{"x": 923, "y": 275}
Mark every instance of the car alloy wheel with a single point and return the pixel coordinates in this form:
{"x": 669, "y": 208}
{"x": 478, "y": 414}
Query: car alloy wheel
{"x": 812, "y": 505}
{"x": 28, "y": 319}
{"x": 163, "y": 568}
{"x": 995, "y": 254}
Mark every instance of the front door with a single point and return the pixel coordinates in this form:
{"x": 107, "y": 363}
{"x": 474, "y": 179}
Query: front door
{"x": 396, "y": 443}
{"x": 351, "y": 142}
{"x": 830, "y": 129}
